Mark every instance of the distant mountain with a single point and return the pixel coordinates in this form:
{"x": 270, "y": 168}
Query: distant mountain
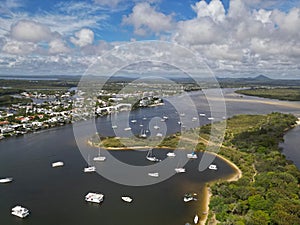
{"x": 262, "y": 78}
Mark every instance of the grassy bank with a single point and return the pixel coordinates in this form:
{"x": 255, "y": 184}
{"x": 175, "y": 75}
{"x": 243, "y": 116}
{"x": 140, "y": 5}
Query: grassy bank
{"x": 290, "y": 94}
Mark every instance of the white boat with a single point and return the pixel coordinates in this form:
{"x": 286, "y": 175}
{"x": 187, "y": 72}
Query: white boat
{"x": 153, "y": 174}
{"x": 143, "y": 134}
{"x": 89, "y": 169}
{"x": 20, "y": 211}
{"x": 151, "y": 158}
{"x": 114, "y": 127}
{"x": 179, "y": 122}
{"x": 94, "y": 197}
{"x": 6, "y": 180}
{"x": 159, "y": 135}
{"x": 194, "y": 119}
{"x": 210, "y": 118}
{"x": 180, "y": 170}
{"x": 127, "y": 128}
{"x": 196, "y": 219}
{"x": 171, "y": 154}
{"x": 144, "y": 118}
{"x": 99, "y": 158}
{"x": 182, "y": 114}
{"x": 133, "y": 121}
{"x": 156, "y": 127}
{"x": 58, "y": 164}
{"x": 162, "y": 120}
{"x": 192, "y": 155}
{"x": 189, "y": 197}
{"x": 165, "y": 117}
{"x": 126, "y": 199}
{"x": 141, "y": 125}
{"x": 202, "y": 114}
{"x": 213, "y": 167}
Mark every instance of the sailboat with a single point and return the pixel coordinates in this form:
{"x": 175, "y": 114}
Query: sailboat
{"x": 99, "y": 158}
{"x": 143, "y": 134}
{"x": 90, "y": 168}
{"x": 150, "y": 157}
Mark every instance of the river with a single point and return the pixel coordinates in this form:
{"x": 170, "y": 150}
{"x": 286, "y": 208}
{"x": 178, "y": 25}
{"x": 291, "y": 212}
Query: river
{"x": 56, "y": 196}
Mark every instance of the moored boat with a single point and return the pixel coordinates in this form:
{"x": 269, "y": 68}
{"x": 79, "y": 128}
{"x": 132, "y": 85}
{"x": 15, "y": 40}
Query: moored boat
{"x": 6, "y": 180}
{"x": 20, "y": 211}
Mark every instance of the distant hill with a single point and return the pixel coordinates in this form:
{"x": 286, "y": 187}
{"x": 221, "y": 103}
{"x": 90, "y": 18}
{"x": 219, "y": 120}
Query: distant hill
{"x": 261, "y": 77}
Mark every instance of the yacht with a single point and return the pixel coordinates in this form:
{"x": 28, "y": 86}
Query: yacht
{"x": 57, "y": 164}
{"x": 189, "y": 197}
{"x": 196, "y": 219}
{"x": 99, "y": 158}
{"x": 159, "y": 135}
{"x": 210, "y": 118}
{"x": 202, "y": 114}
{"x": 94, "y": 197}
{"x": 213, "y": 167}
{"x": 165, "y": 117}
{"x": 20, "y": 211}
{"x": 192, "y": 155}
{"x": 156, "y": 127}
{"x": 153, "y": 174}
{"x": 89, "y": 169}
{"x": 126, "y": 199}
{"x": 180, "y": 170}
{"x": 6, "y": 180}
{"x": 133, "y": 121}
{"x": 150, "y": 157}
{"x": 171, "y": 154}
{"x": 127, "y": 128}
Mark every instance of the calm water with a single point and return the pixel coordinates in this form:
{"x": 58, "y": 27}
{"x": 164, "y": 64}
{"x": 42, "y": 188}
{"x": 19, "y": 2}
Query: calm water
{"x": 56, "y": 196}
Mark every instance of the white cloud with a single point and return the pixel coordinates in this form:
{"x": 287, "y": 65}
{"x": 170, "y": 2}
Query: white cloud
{"x": 110, "y": 3}
{"x": 58, "y": 46}
{"x": 215, "y": 10}
{"x": 83, "y": 37}
{"x": 31, "y": 31}
{"x": 19, "y": 48}
{"x": 146, "y": 18}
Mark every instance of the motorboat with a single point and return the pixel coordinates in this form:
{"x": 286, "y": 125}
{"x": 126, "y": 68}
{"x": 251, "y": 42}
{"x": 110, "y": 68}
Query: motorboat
{"x": 99, "y": 158}
{"x": 194, "y": 119}
{"x": 190, "y": 197}
{"x": 180, "y": 170}
{"x": 202, "y": 114}
{"x": 171, "y": 154}
{"x": 6, "y": 180}
{"x": 57, "y": 164}
{"x": 143, "y": 134}
{"x": 156, "y": 127}
{"x": 165, "y": 117}
{"x": 153, "y": 174}
{"x": 213, "y": 167}
{"x": 20, "y": 211}
{"x": 159, "y": 135}
{"x": 133, "y": 121}
{"x": 192, "y": 155}
{"x": 196, "y": 219}
{"x": 127, "y": 128}
{"x": 127, "y": 199}
{"x": 94, "y": 197}
{"x": 89, "y": 169}
{"x": 210, "y": 118}
{"x": 114, "y": 127}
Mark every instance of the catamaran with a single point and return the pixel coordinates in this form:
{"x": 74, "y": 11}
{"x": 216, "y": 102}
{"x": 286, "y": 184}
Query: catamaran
{"x": 99, "y": 158}
{"x": 127, "y": 199}
{"x": 151, "y": 158}
{"x": 6, "y": 180}
{"x": 94, "y": 197}
{"x": 20, "y": 211}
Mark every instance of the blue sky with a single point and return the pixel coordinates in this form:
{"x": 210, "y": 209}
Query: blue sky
{"x": 235, "y": 37}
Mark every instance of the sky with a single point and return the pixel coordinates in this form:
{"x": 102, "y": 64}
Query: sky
{"x": 236, "y": 38}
